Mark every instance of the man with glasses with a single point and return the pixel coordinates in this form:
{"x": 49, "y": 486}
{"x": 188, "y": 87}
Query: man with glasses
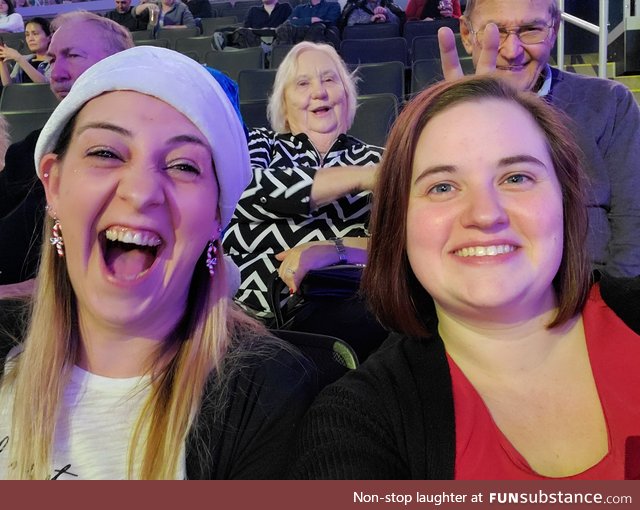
{"x": 514, "y": 38}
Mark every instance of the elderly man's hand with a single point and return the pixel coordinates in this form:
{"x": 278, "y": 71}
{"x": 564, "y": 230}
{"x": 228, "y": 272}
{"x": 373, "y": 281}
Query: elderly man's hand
{"x": 451, "y": 68}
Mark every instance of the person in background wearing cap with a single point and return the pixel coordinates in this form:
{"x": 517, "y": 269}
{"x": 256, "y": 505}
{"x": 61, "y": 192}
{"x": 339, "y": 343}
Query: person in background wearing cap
{"x": 133, "y": 336}
{"x": 514, "y": 39}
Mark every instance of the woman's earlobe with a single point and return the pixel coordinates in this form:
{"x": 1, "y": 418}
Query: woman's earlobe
{"x": 49, "y": 176}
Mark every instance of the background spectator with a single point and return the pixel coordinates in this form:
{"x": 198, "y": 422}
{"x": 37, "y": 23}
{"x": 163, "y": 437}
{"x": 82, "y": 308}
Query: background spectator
{"x": 124, "y": 15}
{"x": 31, "y": 68}
{"x": 270, "y": 14}
{"x": 362, "y": 12}
{"x": 311, "y": 183}
{"x": 605, "y": 113}
{"x": 316, "y": 21}
{"x": 10, "y": 20}
{"x": 432, "y": 9}
{"x": 200, "y": 8}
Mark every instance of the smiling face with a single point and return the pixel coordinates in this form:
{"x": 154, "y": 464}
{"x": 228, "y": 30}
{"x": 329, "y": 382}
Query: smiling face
{"x": 316, "y": 100}
{"x": 136, "y": 197}
{"x": 520, "y": 64}
{"x": 37, "y": 39}
{"x": 485, "y": 224}
{"x": 74, "y": 48}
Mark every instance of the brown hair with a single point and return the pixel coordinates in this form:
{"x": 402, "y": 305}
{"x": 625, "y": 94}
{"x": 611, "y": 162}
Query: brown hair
{"x": 391, "y": 287}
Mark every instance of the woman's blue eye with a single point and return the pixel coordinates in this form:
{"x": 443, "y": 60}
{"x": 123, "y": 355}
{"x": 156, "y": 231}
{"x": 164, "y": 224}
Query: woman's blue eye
{"x": 443, "y": 187}
{"x": 517, "y": 179}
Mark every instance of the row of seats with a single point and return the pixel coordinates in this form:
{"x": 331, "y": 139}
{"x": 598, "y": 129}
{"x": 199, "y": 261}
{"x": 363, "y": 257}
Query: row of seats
{"x": 28, "y": 106}
{"x": 353, "y": 51}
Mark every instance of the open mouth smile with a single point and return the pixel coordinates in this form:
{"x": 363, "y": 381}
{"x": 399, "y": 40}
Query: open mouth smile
{"x": 129, "y": 253}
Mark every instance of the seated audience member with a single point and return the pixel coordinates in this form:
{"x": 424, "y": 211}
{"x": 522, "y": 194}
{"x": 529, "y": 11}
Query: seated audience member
{"x": 89, "y": 38}
{"x": 10, "y": 20}
{"x": 428, "y": 10}
{"x": 124, "y": 15}
{"x": 270, "y": 14}
{"x": 605, "y": 114}
{"x": 172, "y": 14}
{"x": 314, "y": 21}
{"x": 508, "y": 361}
{"x": 33, "y": 67}
{"x": 308, "y": 203}
{"x": 363, "y": 12}
{"x": 200, "y": 8}
{"x": 132, "y": 335}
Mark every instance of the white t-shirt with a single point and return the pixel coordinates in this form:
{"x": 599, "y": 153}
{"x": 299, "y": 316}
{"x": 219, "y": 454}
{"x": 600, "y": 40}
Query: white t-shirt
{"x": 94, "y": 427}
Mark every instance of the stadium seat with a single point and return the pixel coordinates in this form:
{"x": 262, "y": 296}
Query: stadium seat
{"x": 374, "y": 118}
{"x": 254, "y": 113}
{"x": 232, "y": 62}
{"x": 365, "y": 51}
{"x": 27, "y": 96}
{"x": 256, "y": 83}
{"x": 381, "y": 77}
{"x": 210, "y": 25}
{"x": 371, "y": 31}
{"x": 199, "y": 45}
{"x": 278, "y": 52}
{"x": 24, "y": 122}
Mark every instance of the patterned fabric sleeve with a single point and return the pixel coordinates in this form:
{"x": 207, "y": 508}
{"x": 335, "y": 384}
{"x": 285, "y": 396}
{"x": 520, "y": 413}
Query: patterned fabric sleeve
{"x": 275, "y": 192}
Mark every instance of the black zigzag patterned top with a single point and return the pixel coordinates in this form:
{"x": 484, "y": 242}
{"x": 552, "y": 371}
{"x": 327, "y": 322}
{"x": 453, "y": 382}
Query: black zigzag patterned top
{"x": 274, "y": 211}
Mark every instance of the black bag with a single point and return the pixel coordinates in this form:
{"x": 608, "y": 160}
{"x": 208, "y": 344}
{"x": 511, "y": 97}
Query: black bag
{"x": 338, "y": 282}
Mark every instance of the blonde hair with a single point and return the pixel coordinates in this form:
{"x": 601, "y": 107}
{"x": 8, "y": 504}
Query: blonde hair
{"x": 178, "y": 377}
{"x": 276, "y": 111}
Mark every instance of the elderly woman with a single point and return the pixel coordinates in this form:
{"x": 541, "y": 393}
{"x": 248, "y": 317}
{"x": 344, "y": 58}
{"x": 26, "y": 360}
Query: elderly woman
{"x": 307, "y": 205}
{"x": 508, "y": 362}
{"x": 132, "y": 339}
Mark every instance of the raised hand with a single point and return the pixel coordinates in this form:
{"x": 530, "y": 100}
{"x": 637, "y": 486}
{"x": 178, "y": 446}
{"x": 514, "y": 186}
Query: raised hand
{"x": 450, "y": 60}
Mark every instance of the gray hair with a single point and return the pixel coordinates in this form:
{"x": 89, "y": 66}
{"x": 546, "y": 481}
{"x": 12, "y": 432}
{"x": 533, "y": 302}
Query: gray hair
{"x": 553, "y": 10}
{"x": 286, "y": 73}
{"x": 116, "y": 37}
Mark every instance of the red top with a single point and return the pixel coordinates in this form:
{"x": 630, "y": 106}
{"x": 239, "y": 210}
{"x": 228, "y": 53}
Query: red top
{"x": 483, "y": 452}
{"x": 414, "y": 9}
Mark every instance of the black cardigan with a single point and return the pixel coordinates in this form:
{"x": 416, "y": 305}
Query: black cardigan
{"x": 393, "y": 417}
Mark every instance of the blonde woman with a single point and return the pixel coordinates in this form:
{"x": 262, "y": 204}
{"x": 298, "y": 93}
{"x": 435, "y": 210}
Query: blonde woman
{"x": 132, "y": 342}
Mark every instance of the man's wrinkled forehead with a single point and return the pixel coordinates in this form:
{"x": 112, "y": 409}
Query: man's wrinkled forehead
{"x": 78, "y": 36}
{"x": 512, "y": 12}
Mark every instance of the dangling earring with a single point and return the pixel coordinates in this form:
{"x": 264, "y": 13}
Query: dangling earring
{"x": 56, "y": 239}
{"x": 212, "y": 259}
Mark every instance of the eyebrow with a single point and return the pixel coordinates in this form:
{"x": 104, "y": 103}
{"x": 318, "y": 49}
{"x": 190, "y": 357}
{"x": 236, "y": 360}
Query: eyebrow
{"x": 508, "y": 161}
{"x": 125, "y": 132}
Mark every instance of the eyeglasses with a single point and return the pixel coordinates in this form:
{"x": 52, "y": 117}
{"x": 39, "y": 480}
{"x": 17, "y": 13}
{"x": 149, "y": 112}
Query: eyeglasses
{"x": 527, "y": 34}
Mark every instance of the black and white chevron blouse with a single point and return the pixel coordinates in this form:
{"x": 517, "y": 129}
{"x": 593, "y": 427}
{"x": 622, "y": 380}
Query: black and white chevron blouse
{"x": 274, "y": 211}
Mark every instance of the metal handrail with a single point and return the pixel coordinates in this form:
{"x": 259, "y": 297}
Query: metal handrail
{"x": 601, "y": 30}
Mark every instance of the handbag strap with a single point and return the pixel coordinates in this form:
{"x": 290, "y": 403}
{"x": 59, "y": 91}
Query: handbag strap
{"x": 276, "y": 286}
